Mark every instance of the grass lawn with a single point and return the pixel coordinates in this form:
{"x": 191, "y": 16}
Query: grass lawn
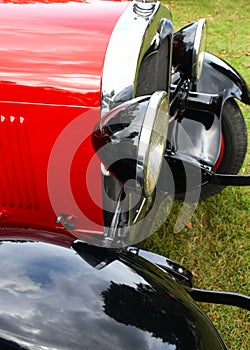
{"x": 214, "y": 245}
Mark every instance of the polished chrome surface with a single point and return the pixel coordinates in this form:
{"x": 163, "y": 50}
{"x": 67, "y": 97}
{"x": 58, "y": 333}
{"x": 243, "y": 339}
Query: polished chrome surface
{"x": 144, "y": 9}
{"x": 134, "y": 33}
{"x": 157, "y": 109}
{"x": 137, "y": 63}
{"x": 199, "y": 48}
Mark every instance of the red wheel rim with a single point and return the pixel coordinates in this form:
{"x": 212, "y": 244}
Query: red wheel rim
{"x": 222, "y": 150}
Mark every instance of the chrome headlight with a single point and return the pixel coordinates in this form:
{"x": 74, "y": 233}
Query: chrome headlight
{"x": 153, "y": 139}
{"x": 199, "y": 49}
{"x": 189, "y": 49}
{"x": 131, "y": 139}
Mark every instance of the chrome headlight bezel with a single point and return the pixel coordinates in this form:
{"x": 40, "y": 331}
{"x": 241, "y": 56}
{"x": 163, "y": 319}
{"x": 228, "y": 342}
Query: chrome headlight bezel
{"x": 152, "y": 143}
{"x": 131, "y": 139}
{"x": 199, "y": 49}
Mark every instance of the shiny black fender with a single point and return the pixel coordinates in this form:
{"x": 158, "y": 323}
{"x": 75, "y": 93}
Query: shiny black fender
{"x": 195, "y": 134}
{"x": 88, "y": 297}
{"x": 219, "y": 77}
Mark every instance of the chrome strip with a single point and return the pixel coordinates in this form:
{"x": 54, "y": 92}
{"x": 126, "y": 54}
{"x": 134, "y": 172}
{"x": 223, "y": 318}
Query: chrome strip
{"x": 200, "y": 35}
{"x": 137, "y": 28}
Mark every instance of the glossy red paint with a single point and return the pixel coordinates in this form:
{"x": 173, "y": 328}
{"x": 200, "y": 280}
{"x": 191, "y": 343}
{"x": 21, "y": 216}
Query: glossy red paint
{"x": 51, "y": 60}
{"x": 54, "y": 53}
{"x": 61, "y": 238}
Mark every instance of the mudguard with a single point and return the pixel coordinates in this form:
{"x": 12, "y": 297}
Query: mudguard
{"x": 198, "y": 132}
{"x": 218, "y": 76}
{"x": 89, "y": 297}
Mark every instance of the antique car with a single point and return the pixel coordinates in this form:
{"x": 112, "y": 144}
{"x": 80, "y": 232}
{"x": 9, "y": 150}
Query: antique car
{"x": 107, "y": 113}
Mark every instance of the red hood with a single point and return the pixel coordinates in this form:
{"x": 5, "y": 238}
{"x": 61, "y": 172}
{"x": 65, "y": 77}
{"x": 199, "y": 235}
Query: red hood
{"x": 51, "y": 61}
{"x": 53, "y": 52}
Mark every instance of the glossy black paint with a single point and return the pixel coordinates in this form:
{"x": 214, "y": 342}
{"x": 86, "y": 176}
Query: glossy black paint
{"x": 218, "y": 76}
{"x": 196, "y": 130}
{"x": 183, "y": 47}
{"x": 230, "y": 180}
{"x": 178, "y": 272}
{"x": 188, "y": 175}
{"x": 220, "y": 297}
{"x": 194, "y": 140}
{"x": 116, "y": 138}
{"x": 194, "y": 137}
{"x": 52, "y": 297}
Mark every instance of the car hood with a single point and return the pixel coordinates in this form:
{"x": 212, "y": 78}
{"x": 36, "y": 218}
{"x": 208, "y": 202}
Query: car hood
{"x": 52, "y": 52}
{"x": 51, "y": 61}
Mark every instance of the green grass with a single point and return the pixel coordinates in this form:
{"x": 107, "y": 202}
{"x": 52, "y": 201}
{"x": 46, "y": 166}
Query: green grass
{"x": 215, "y": 244}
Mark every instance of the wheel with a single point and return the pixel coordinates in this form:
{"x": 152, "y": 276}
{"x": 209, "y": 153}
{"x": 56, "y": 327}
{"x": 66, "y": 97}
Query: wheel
{"x": 233, "y": 146}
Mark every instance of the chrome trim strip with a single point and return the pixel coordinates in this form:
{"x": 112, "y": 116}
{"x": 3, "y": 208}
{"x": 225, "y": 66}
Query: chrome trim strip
{"x": 136, "y": 30}
{"x": 200, "y": 35}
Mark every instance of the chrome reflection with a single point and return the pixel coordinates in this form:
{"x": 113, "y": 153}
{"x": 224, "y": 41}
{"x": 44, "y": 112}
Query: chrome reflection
{"x": 54, "y": 299}
{"x": 137, "y": 34}
{"x": 144, "y": 9}
{"x": 137, "y": 63}
{"x": 199, "y": 48}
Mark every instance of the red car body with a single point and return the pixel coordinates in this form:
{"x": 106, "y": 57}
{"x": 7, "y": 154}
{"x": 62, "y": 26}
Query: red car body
{"x": 51, "y": 61}
{"x": 55, "y": 88}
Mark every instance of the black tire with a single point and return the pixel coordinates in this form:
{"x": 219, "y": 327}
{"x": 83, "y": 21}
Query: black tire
{"x": 235, "y": 145}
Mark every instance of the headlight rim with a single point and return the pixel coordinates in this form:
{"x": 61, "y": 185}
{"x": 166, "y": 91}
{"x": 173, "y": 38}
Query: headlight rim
{"x": 150, "y": 118}
{"x": 199, "y": 49}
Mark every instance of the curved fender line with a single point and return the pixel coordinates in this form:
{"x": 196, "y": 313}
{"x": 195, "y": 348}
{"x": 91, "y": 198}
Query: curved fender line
{"x": 218, "y": 76}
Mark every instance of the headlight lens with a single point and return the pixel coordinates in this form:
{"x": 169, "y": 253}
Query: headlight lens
{"x": 157, "y": 143}
{"x": 131, "y": 139}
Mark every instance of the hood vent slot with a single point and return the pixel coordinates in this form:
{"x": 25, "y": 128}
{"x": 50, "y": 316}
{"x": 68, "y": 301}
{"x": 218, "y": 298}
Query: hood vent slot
{"x": 17, "y": 180}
